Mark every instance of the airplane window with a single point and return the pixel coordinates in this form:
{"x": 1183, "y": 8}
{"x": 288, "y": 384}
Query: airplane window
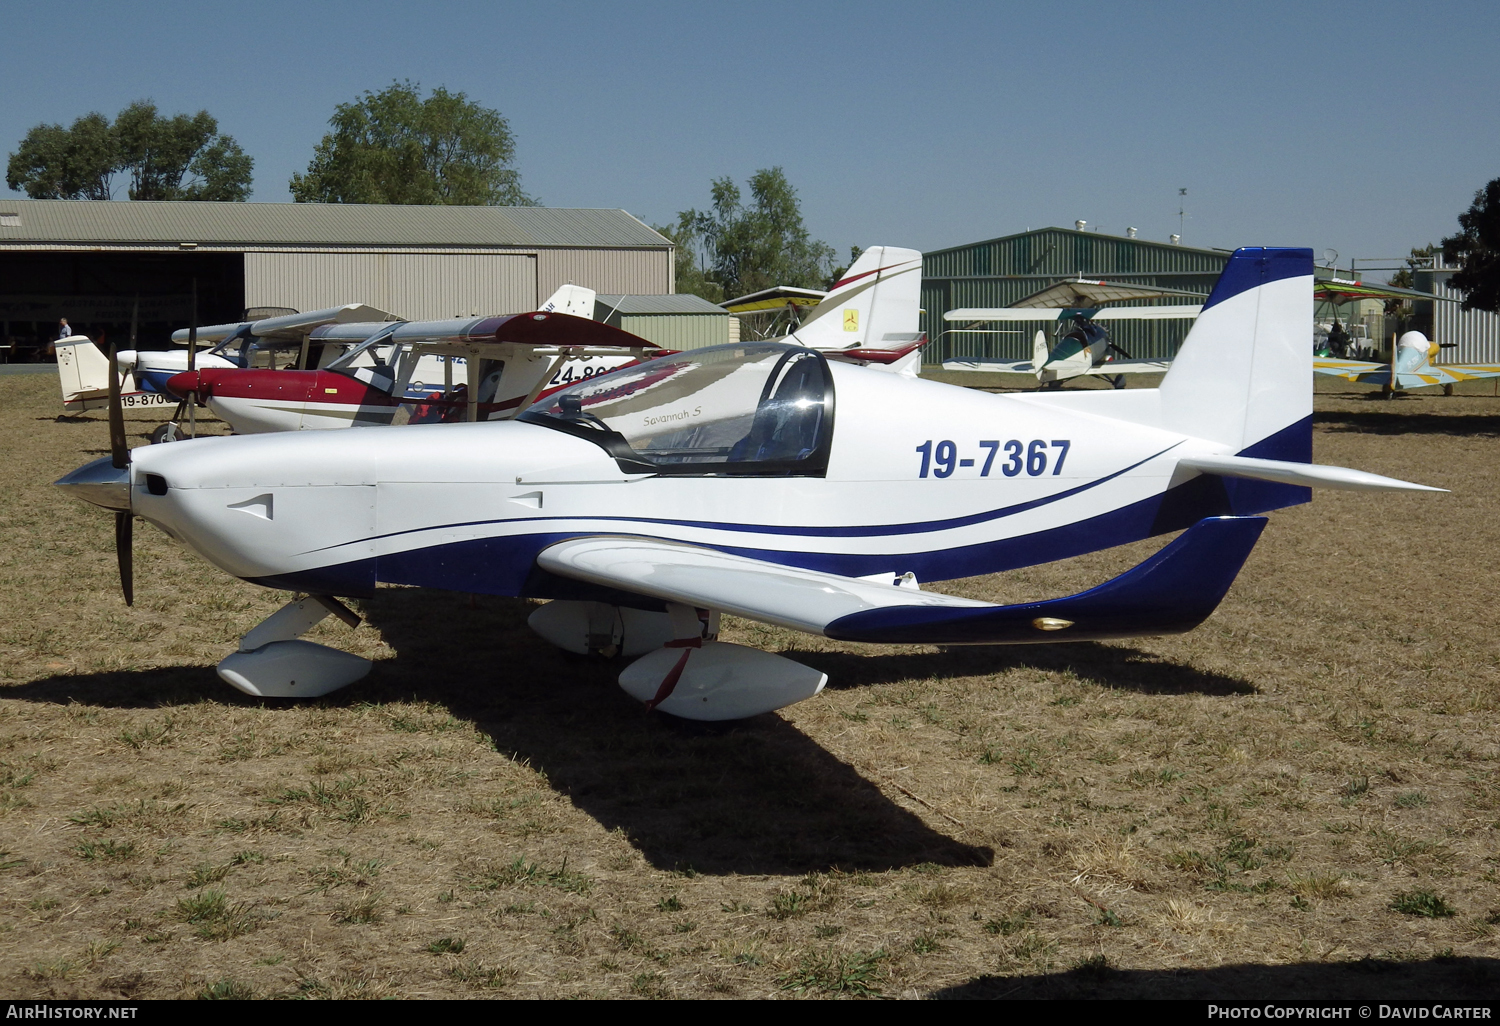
{"x": 742, "y": 408}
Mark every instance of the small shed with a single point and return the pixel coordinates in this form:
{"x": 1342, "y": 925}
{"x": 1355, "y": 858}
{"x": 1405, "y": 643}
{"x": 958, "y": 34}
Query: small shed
{"x": 678, "y": 321}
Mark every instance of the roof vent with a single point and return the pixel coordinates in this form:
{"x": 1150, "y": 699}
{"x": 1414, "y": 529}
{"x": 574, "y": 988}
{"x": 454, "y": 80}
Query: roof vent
{"x": 1130, "y": 233}
{"x": 1176, "y": 239}
{"x": 1079, "y": 225}
{"x": 10, "y": 220}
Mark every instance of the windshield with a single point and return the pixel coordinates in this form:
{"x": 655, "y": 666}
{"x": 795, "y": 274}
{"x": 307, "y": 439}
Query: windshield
{"x": 753, "y": 408}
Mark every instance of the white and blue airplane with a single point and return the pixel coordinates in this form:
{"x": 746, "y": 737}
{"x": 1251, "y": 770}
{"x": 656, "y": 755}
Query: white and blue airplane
{"x": 768, "y": 481}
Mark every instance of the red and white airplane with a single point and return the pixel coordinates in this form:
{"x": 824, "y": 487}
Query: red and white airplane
{"x": 476, "y": 368}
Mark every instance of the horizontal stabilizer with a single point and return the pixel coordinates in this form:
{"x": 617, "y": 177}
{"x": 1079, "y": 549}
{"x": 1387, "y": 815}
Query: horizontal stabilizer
{"x": 986, "y": 365}
{"x": 1112, "y": 367}
{"x": 1308, "y": 475}
{"x": 1172, "y": 592}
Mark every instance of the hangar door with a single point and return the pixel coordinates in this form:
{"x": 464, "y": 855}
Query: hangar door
{"x": 414, "y": 286}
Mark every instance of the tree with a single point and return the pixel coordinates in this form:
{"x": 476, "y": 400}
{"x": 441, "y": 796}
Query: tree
{"x": 1403, "y": 312}
{"x": 180, "y": 157}
{"x": 691, "y": 276}
{"x": 395, "y": 147}
{"x": 54, "y": 162}
{"x": 1476, "y": 248}
{"x": 734, "y": 249}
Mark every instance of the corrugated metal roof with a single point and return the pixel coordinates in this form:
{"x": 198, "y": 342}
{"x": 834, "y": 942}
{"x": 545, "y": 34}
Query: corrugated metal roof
{"x": 319, "y": 224}
{"x": 1222, "y": 254}
{"x": 678, "y": 303}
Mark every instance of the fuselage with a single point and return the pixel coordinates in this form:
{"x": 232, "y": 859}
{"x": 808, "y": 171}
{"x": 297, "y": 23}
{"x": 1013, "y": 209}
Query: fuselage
{"x": 933, "y": 479}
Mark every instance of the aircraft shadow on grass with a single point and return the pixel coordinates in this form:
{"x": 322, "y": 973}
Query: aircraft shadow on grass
{"x": 757, "y": 796}
{"x": 1368, "y": 979}
{"x": 754, "y": 796}
{"x": 1116, "y": 667}
{"x": 1371, "y": 422}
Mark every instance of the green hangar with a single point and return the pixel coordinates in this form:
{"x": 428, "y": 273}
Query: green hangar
{"x": 1000, "y": 272}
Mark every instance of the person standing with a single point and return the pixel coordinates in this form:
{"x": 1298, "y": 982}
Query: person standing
{"x": 63, "y": 330}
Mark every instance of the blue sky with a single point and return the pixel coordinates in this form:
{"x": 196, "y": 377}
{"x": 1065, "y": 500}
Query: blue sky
{"x": 1363, "y": 128}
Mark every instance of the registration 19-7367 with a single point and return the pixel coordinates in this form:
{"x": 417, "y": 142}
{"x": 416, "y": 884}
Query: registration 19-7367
{"x": 1033, "y": 457}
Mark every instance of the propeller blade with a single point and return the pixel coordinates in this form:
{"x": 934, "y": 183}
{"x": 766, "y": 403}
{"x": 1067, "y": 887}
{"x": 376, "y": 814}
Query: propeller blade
{"x": 1121, "y": 351}
{"x": 192, "y": 363}
{"x": 124, "y": 554}
{"x": 118, "y": 448}
{"x": 193, "y": 331}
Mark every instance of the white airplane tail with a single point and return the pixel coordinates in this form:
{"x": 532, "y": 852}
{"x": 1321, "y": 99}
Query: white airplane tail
{"x": 82, "y": 370}
{"x": 1039, "y": 352}
{"x": 876, "y": 305}
{"x": 1243, "y": 376}
{"x": 571, "y": 299}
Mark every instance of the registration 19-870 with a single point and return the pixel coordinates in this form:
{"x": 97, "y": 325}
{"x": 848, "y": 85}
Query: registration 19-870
{"x": 1034, "y": 457}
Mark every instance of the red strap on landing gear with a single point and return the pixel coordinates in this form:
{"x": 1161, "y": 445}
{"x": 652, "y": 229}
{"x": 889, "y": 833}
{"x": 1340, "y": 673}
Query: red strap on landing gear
{"x": 669, "y": 682}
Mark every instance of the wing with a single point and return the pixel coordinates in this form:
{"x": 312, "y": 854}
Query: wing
{"x": 1173, "y": 591}
{"x": 991, "y": 366}
{"x": 1466, "y": 371}
{"x": 1348, "y": 369}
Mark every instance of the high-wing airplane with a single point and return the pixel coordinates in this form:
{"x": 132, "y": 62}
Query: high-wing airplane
{"x": 1084, "y": 345}
{"x": 295, "y": 342}
{"x": 775, "y": 311}
{"x": 83, "y": 374}
{"x": 770, "y": 481}
{"x": 477, "y": 368}
{"x": 1411, "y": 366}
{"x": 261, "y": 343}
{"x": 415, "y": 372}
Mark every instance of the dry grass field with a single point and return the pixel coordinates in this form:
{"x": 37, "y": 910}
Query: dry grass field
{"x": 1301, "y": 798}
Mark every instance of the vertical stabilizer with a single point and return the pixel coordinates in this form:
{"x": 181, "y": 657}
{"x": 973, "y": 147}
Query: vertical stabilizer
{"x": 876, "y": 305}
{"x": 1243, "y": 376}
{"x": 82, "y": 370}
{"x": 571, "y": 299}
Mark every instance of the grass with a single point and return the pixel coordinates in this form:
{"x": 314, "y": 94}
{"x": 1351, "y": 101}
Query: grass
{"x": 214, "y": 917}
{"x": 1254, "y": 793}
{"x": 856, "y": 973}
{"x": 1423, "y": 903}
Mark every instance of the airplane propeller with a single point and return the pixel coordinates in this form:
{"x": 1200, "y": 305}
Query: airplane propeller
{"x": 120, "y": 456}
{"x": 192, "y": 397}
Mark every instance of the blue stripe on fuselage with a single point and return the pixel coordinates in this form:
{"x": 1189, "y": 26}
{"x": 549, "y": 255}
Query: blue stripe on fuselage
{"x": 505, "y": 565}
{"x": 876, "y": 531}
